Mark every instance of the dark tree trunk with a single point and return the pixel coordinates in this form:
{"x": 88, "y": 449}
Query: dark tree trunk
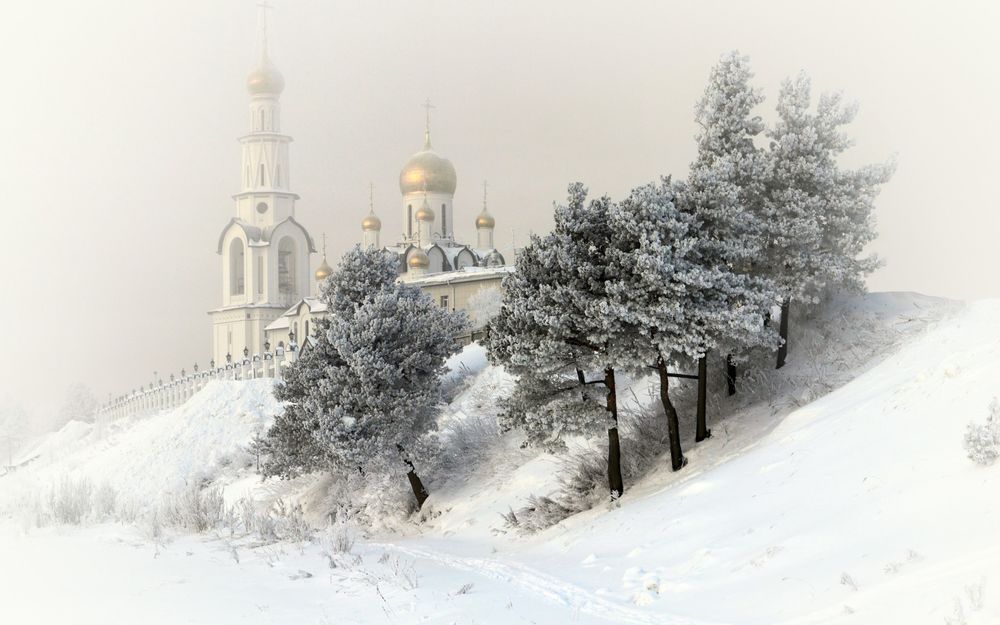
{"x": 411, "y": 475}
{"x": 677, "y": 459}
{"x": 730, "y": 375}
{"x": 418, "y": 487}
{"x": 615, "y": 482}
{"x": 701, "y": 431}
{"x": 783, "y": 332}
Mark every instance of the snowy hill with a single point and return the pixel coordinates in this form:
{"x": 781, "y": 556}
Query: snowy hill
{"x": 839, "y": 495}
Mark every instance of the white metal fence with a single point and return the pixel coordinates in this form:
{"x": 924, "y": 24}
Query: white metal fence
{"x": 177, "y": 389}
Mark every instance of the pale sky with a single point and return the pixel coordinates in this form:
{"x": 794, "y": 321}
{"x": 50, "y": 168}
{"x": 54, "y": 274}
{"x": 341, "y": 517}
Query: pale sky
{"x": 120, "y": 121}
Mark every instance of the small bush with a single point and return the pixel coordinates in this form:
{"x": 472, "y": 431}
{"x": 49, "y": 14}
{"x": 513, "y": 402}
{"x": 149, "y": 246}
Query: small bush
{"x": 194, "y": 509}
{"x": 982, "y": 441}
{"x": 71, "y": 501}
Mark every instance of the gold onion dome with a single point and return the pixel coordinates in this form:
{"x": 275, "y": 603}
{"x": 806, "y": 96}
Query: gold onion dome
{"x": 371, "y": 222}
{"x": 419, "y": 260}
{"x": 266, "y": 79}
{"x": 424, "y": 213}
{"x": 428, "y": 171}
{"x": 485, "y": 220}
{"x": 323, "y": 271}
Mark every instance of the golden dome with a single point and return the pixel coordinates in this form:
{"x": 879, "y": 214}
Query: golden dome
{"x": 371, "y": 222}
{"x": 427, "y": 171}
{"x": 323, "y": 271}
{"x": 419, "y": 260}
{"x": 424, "y": 213}
{"x": 485, "y": 220}
{"x": 266, "y": 79}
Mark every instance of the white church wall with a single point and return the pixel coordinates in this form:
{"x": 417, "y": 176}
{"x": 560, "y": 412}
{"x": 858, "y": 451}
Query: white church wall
{"x": 443, "y": 227}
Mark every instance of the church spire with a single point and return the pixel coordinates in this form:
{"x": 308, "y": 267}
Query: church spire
{"x": 427, "y": 124}
{"x": 265, "y": 79}
{"x": 262, "y": 8}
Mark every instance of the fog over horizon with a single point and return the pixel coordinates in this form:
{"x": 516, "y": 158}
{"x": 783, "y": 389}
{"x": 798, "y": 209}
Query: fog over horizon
{"x": 122, "y": 120}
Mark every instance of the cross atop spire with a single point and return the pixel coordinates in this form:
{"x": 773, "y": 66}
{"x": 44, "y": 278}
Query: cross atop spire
{"x": 371, "y": 198}
{"x": 324, "y": 246}
{"x": 262, "y": 8}
{"x": 484, "y": 195}
{"x": 427, "y": 127}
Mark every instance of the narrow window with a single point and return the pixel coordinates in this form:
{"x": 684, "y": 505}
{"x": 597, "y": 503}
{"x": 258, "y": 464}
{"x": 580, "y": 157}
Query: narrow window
{"x": 260, "y": 274}
{"x": 277, "y": 176}
{"x": 409, "y": 220}
{"x": 262, "y": 119}
{"x": 262, "y": 181}
{"x": 286, "y": 267}
{"x": 444, "y": 302}
{"x": 444, "y": 221}
{"x": 237, "y": 267}
{"x": 307, "y": 327}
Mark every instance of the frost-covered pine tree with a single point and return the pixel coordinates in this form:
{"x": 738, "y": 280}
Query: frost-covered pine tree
{"x": 556, "y": 332}
{"x": 665, "y": 292}
{"x": 817, "y": 217}
{"x": 393, "y": 341}
{"x": 725, "y": 187}
{"x": 363, "y": 396}
{"x": 290, "y": 446}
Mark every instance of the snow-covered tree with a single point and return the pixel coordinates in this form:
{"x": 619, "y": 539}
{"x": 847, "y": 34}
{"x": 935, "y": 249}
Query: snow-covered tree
{"x": 666, "y": 293}
{"x": 80, "y": 404}
{"x": 982, "y": 442}
{"x": 556, "y": 332}
{"x": 726, "y": 180}
{"x": 817, "y": 216}
{"x": 363, "y": 396}
{"x": 394, "y": 342}
{"x": 484, "y": 305}
{"x": 290, "y": 447}
{"x": 726, "y": 184}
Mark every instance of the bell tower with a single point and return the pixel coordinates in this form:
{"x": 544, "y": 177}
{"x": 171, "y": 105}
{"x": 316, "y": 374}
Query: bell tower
{"x": 265, "y": 252}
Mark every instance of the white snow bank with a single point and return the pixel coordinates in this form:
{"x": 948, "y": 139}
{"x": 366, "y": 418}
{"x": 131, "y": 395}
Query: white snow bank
{"x": 856, "y": 507}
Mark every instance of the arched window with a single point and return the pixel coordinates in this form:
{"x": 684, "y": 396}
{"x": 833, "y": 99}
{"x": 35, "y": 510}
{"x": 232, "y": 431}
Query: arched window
{"x": 263, "y": 183}
{"x": 307, "y": 327}
{"x": 277, "y": 176}
{"x": 286, "y": 267}
{"x": 409, "y": 220}
{"x": 444, "y": 221}
{"x": 237, "y": 268}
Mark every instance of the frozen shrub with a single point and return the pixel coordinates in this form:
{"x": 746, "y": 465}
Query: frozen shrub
{"x": 982, "y": 442}
{"x": 540, "y": 513}
{"x": 71, "y": 501}
{"x": 194, "y": 509}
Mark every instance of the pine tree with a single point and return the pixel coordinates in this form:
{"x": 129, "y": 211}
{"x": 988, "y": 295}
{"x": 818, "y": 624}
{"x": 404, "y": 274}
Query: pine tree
{"x": 290, "y": 447}
{"x": 725, "y": 188}
{"x": 818, "y": 217}
{"x": 666, "y": 293}
{"x": 365, "y": 394}
{"x": 556, "y": 332}
{"x": 394, "y": 341}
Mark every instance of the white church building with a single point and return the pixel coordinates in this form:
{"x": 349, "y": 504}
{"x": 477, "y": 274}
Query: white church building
{"x": 268, "y": 285}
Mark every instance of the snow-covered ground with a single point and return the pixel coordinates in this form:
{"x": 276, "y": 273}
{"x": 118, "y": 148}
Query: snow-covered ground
{"x": 856, "y": 505}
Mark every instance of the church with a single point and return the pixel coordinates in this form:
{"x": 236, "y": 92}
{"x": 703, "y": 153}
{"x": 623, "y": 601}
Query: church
{"x": 269, "y": 288}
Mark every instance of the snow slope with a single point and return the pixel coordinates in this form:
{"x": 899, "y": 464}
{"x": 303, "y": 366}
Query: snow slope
{"x": 858, "y": 506}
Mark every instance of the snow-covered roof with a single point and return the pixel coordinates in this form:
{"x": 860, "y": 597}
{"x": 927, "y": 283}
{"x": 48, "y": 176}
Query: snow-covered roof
{"x": 466, "y": 274}
{"x": 281, "y": 323}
